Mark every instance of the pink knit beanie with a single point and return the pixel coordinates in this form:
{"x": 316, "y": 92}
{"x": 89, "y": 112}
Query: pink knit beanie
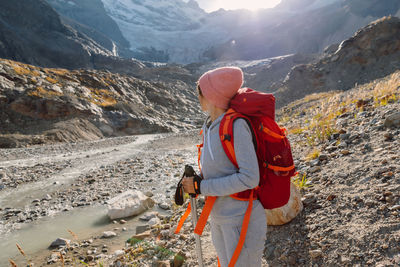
{"x": 219, "y": 85}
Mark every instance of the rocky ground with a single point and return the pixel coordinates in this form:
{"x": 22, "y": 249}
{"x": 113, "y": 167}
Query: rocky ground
{"x": 346, "y": 151}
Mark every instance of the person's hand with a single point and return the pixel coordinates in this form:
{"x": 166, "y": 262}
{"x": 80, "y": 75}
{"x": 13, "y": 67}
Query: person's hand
{"x": 188, "y": 186}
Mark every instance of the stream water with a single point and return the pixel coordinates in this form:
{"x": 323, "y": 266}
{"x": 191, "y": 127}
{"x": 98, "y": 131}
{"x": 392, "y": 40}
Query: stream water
{"x": 37, "y": 236}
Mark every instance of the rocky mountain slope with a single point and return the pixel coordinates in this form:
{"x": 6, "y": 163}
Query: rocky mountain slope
{"x": 41, "y": 105}
{"x": 373, "y": 52}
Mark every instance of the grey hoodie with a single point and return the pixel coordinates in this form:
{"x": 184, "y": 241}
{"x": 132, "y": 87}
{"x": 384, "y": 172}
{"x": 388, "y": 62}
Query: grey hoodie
{"x": 222, "y": 178}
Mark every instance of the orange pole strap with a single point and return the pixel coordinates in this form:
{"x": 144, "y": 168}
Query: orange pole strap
{"x": 201, "y": 223}
{"x": 183, "y": 219}
{"x": 243, "y": 232}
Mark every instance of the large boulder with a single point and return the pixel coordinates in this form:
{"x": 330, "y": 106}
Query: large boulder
{"x": 285, "y": 214}
{"x": 129, "y": 203}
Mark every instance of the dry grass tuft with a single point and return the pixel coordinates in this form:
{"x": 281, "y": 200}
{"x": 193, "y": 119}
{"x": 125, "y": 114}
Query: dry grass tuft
{"x": 21, "y": 70}
{"x": 12, "y": 263}
{"x": 73, "y": 234}
{"x": 102, "y": 97}
{"x": 41, "y": 92}
{"x": 313, "y": 155}
{"x": 21, "y": 250}
{"x": 51, "y": 80}
{"x": 61, "y": 259}
{"x": 59, "y": 72}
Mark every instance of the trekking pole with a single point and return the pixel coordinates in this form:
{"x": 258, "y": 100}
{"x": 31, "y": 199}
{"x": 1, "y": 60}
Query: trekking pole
{"x": 189, "y": 172}
{"x": 196, "y": 236}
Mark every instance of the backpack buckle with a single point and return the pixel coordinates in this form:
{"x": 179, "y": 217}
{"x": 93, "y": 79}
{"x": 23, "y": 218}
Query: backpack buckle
{"x": 226, "y": 137}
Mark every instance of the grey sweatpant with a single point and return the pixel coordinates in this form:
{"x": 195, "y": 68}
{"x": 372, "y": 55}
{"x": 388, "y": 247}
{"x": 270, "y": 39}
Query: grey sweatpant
{"x": 225, "y": 238}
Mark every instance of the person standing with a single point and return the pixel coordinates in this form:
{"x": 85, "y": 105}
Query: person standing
{"x": 221, "y": 178}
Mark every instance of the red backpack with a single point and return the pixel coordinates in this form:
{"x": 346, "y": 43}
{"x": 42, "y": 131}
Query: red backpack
{"x": 273, "y": 153}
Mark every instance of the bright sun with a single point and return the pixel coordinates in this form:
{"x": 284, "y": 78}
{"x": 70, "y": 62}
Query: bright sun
{"x": 238, "y": 4}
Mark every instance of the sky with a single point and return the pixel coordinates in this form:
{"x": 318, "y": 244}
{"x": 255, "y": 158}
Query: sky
{"x": 212, "y": 5}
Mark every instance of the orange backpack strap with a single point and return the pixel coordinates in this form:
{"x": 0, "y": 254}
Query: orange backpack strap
{"x": 205, "y": 213}
{"x": 226, "y": 134}
{"x": 243, "y": 232}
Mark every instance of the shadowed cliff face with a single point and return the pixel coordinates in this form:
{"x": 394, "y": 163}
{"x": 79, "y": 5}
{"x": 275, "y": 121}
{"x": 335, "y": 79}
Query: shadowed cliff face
{"x": 90, "y": 18}
{"x": 50, "y": 105}
{"x": 31, "y": 31}
{"x": 373, "y": 52}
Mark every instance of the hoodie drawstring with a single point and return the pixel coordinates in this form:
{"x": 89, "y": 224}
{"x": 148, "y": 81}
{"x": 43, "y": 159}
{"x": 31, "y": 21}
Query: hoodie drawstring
{"x": 209, "y": 144}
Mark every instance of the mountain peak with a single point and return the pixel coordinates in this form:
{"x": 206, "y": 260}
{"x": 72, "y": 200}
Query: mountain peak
{"x": 193, "y": 4}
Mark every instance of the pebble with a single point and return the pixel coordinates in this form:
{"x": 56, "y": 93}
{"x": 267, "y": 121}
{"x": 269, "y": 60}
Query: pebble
{"x": 164, "y": 206}
{"x": 388, "y": 136}
{"x": 315, "y": 169}
{"x": 395, "y": 207}
{"x": 315, "y": 253}
{"x": 323, "y": 157}
{"x": 154, "y": 221}
{"x": 148, "y": 194}
{"x": 345, "y": 152}
{"x": 118, "y": 253}
{"x": 142, "y": 228}
{"x": 108, "y": 234}
{"x": 148, "y": 216}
